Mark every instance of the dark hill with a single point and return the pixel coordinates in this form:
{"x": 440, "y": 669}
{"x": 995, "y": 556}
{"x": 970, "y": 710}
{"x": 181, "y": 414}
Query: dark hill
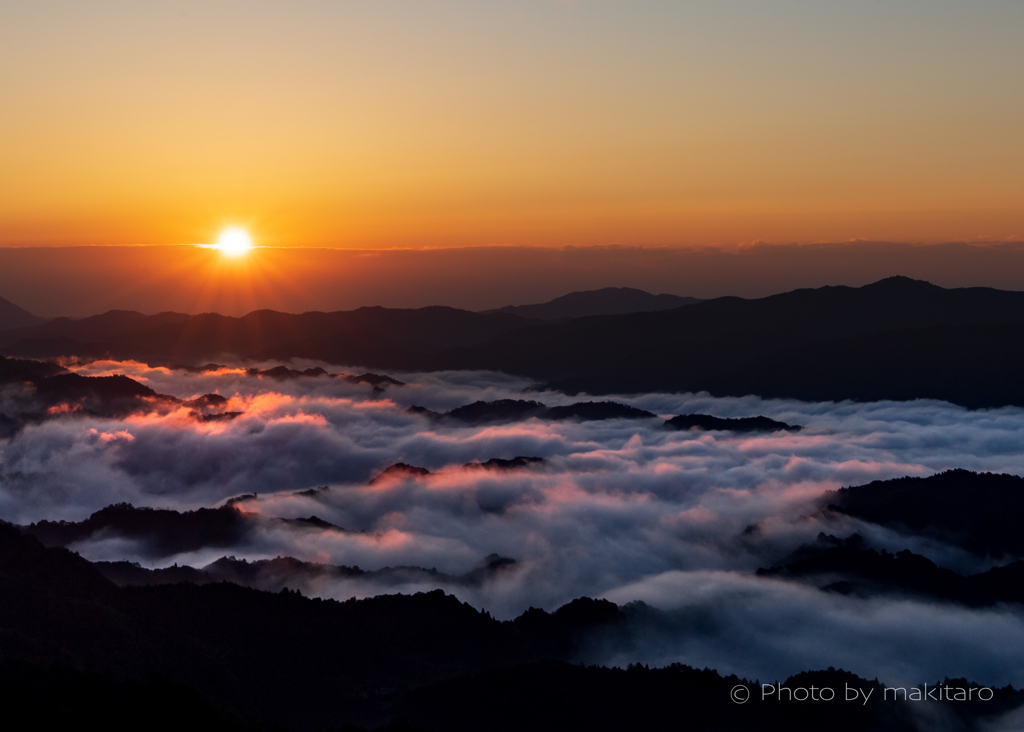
{"x": 96, "y": 392}
{"x": 981, "y": 512}
{"x": 311, "y": 664}
{"x": 740, "y": 424}
{"x": 516, "y": 410}
{"x": 11, "y": 316}
{"x": 399, "y": 471}
{"x": 500, "y": 410}
{"x": 357, "y": 336}
{"x": 111, "y": 324}
{"x": 17, "y": 370}
{"x": 283, "y": 373}
{"x": 606, "y": 301}
{"x": 520, "y": 461}
{"x": 894, "y": 339}
{"x": 305, "y": 663}
{"x": 592, "y": 411}
{"x": 163, "y": 532}
{"x": 273, "y": 575}
{"x": 43, "y": 391}
{"x": 847, "y": 566}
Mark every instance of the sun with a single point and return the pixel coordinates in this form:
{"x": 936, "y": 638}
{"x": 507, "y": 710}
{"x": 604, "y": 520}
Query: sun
{"x": 234, "y": 241}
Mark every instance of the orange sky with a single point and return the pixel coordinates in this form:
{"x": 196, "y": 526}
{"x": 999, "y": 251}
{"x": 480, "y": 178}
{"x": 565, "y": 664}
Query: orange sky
{"x": 455, "y": 123}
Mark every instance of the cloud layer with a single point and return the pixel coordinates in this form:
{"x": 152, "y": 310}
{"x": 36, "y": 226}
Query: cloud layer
{"x": 624, "y": 509}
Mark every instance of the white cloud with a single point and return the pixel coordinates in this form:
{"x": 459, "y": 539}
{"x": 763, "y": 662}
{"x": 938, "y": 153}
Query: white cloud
{"x": 621, "y": 508}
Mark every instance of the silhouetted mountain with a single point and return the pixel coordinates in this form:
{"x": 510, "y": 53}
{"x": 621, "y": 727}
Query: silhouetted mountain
{"x": 500, "y": 410}
{"x": 847, "y": 566}
{"x": 46, "y": 390}
{"x": 97, "y": 330}
{"x": 283, "y": 373}
{"x": 519, "y": 461}
{"x": 164, "y": 532}
{"x": 590, "y": 411}
{"x": 126, "y": 573}
{"x": 49, "y": 348}
{"x": 981, "y": 512}
{"x": 373, "y": 379}
{"x": 273, "y": 575}
{"x": 108, "y": 395}
{"x": 313, "y": 522}
{"x": 399, "y": 471}
{"x": 894, "y": 339}
{"x": 316, "y": 664}
{"x": 348, "y": 337}
{"x": 606, "y": 301}
{"x": 208, "y": 401}
{"x": 516, "y": 410}
{"x": 41, "y": 391}
{"x": 11, "y": 316}
{"x": 402, "y": 471}
{"x": 306, "y": 663}
{"x": 14, "y": 371}
{"x": 741, "y": 424}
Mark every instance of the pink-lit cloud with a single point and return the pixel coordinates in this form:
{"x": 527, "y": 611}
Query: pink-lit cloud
{"x": 619, "y": 508}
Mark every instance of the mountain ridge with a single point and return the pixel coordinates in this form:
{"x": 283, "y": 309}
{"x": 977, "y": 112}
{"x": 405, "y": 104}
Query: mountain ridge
{"x": 282, "y": 659}
{"x": 605, "y": 301}
{"x": 894, "y": 339}
{"x": 13, "y": 316}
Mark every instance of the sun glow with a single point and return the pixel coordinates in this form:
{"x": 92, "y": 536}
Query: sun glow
{"x": 234, "y": 241}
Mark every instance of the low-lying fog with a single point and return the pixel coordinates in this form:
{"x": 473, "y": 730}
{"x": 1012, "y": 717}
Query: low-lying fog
{"x": 622, "y": 509}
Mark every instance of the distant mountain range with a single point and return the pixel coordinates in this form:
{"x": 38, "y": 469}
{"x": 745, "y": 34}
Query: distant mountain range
{"x": 606, "y": 301}
{"x": 366, "y": 334}
{"x": 11, "y": 316}
{"x": 895, "y": 339}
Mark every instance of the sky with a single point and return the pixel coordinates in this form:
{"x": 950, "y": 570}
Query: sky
{"x": 450, "y": 123}
{"x": 478, "y": 153}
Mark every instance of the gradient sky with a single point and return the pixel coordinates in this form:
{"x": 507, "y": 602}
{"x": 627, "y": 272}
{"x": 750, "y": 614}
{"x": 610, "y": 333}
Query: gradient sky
{"x": 386, "y": 123}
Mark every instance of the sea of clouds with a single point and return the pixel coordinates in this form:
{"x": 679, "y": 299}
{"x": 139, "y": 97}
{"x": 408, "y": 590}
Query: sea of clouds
{"x": 621, "y": 509}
